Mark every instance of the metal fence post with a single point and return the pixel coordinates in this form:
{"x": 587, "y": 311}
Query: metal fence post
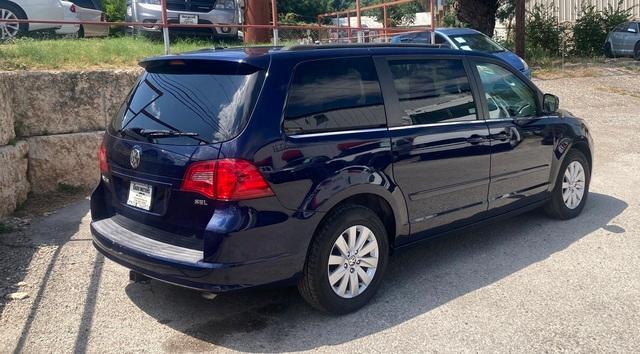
{"x": 165, "y": 28}
{"x": 274, "y": 19}
{"x": 433, "y": 21}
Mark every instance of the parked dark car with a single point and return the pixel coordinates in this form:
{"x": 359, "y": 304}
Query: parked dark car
{"x": 311, "y": 165}
{"x": 623, "y": 40}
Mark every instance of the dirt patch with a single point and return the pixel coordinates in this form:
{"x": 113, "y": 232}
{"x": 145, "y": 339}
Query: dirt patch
{"x": 573, "y": 71}
{"x": 47, "y": 204}
{"x": 619, "y": 91}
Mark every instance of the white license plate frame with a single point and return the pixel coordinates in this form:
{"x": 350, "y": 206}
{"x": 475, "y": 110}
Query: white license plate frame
{"x": 188, "y": 19}
{"x": 140, "y": 195}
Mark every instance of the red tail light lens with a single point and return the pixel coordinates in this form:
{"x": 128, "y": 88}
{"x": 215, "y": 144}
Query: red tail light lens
{"x": 102, "y": 158}
{"x": 226, "y": 179}
{"x": 72, "y": 8}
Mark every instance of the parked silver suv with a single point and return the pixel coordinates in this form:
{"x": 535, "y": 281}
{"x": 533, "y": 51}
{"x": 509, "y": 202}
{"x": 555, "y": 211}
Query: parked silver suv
{"x": 624, "y": 40}
{"x": 186, "y": 12}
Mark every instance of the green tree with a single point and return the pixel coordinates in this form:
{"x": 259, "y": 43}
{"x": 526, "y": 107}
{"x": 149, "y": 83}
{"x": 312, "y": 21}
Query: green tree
{"x": 542, "y": 32}
{"x": 304, "y": 10}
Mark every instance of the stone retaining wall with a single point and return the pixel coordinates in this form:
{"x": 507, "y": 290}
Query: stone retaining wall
{"x": 14, "y": 185}
{"x": 51, "y": 126}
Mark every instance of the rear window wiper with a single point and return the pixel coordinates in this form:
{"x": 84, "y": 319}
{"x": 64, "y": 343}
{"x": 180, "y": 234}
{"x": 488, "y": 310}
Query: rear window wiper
{"x": 155, "y": 133}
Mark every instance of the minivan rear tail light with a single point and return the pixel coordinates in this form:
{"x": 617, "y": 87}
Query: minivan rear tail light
{"x": 102, "y": 158}
{"x": 226, "y": 179}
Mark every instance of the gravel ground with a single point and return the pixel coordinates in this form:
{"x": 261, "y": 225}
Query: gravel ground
{"x": 526, "y": 284}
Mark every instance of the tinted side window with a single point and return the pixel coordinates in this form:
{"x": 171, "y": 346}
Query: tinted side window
{"x": 620, "y": 28}
{"x": 87, "y": 4}
{"x": 507, "y": 95}
{"x": 335, "y": 94}
{"x": 433, "y": 91}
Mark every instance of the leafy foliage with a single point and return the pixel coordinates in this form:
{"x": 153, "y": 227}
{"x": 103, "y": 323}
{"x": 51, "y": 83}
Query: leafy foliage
{"x": 304, "y": 11}
{"x": 592, "y": 27}
{"x": 542, "y": 32}
{"x": 396, "y": 15}
{"x": 612, "y": 17}
{"x": 588, "y": 32}
{"x": 114, "y": 9}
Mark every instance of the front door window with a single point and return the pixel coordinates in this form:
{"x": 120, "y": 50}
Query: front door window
{"x": 507, "y": 95}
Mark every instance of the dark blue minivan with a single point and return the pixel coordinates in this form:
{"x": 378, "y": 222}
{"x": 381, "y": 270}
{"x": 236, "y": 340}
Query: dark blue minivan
{"x": 310, "y": 165}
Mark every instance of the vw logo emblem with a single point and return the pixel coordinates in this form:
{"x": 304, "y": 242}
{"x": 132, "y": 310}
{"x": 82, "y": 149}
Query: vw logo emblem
{"x": 134, "y": 159}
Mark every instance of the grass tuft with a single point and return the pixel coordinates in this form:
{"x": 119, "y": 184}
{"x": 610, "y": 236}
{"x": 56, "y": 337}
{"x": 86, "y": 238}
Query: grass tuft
{"x": 69, "y": 189}
{"x": 5, "y": 229}
{"x": 90, "y": 53}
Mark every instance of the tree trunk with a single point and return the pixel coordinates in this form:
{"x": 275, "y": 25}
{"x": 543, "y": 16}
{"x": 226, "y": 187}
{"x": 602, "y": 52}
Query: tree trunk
{"x": 520, "y": 14}
{"x": 479, "y": 14}
{"x": 257, "y": 12}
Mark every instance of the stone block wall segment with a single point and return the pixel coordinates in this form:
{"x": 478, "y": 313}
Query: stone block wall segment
{"x": 46, "y": 103}
{"x": 14, "y": 185}
{"x": 7, "y": 131}
{"x": 68, "y": 159}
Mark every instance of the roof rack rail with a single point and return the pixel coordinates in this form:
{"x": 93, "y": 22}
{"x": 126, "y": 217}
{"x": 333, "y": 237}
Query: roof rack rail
{"x": 363, "y": 45}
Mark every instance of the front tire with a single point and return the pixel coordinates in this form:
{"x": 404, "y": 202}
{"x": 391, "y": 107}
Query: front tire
{"x": 636, "y": 52}
{"x": 346, "y": 261}
{"x": 10, "y": 30}
{"x": 570, "y": 192}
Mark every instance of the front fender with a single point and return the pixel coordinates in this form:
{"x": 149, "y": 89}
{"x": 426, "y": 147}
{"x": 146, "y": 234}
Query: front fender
{"x": 573, "y": 134}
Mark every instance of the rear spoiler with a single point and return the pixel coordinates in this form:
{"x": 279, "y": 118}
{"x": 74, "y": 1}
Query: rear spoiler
{"x": 176, "y": 64}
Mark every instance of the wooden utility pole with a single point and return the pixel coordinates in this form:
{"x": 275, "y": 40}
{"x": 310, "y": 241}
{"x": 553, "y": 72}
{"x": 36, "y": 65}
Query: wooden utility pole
{"x": 520, "y": 12}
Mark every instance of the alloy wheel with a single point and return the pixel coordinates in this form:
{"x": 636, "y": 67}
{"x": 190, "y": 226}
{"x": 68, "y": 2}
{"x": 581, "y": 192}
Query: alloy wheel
{"x": 353, "y": 261}
{"x": 573, "y": 185}
{"x": 8, "y": 29}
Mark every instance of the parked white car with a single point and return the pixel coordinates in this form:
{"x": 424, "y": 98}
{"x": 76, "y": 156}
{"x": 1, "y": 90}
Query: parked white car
{"x": 50, "y": 10}
{"x": 70, "y": 14}
{"x": 90, "y": 10}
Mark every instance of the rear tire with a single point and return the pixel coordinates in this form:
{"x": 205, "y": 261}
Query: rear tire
{"x": 326, "y": 261}
{"x": 10, "y": 30}
{"x": 636, "y": 51}
{"x": 571, "y": 190}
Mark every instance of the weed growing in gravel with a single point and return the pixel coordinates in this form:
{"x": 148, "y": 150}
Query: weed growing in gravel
{"x": 5, "y": 229}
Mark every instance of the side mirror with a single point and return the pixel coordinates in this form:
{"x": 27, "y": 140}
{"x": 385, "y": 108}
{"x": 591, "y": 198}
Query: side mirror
{"x": 550, "y": 103}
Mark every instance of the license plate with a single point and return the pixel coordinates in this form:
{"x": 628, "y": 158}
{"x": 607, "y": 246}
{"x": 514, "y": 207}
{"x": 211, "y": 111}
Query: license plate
{"x": 140, "y": 195}
{"x": 188, "y": 19}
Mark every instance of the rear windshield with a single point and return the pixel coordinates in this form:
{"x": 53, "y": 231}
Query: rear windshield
{"x": 188, "y": 109}
{"x": 478, "y": 42}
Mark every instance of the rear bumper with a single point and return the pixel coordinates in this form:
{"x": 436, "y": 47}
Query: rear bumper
{"x": 184, "y": 266}
{"x": 248, "y": 244}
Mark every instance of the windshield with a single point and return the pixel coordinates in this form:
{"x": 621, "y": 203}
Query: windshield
{"x": 476, "y": 41}
{"x": 188, "y": 109}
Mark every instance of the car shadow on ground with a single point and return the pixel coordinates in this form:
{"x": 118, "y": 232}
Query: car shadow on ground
{"x": 417, "y": 281}
{"x": 57, "y": 229}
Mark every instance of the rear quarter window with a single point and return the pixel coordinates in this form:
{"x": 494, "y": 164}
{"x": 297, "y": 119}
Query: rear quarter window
{"x": 333, "y": 95}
